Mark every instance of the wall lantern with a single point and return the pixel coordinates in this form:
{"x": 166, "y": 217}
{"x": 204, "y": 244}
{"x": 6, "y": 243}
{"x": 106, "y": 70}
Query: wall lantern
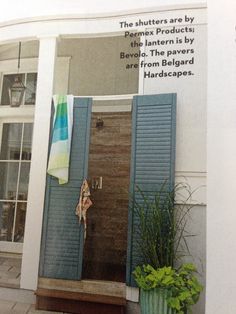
{"x": 17, "y": 89}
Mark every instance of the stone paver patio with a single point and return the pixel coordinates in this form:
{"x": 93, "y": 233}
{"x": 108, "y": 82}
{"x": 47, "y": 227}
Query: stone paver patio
{"x": 12, "y": 307}
{"x": 10, "y": 269}
{"x": 14, "y": 300}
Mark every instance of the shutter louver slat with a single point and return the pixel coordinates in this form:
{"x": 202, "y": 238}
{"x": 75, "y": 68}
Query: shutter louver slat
{"x": 62, "y": 240}
{"x": 152, "y": 160}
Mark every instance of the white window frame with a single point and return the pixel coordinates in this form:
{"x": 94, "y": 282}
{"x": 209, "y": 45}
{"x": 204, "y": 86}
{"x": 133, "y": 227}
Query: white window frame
{"x": 22, "y": 114}
{"x": 9, "y": 246}
{"x": 26, "y": 113}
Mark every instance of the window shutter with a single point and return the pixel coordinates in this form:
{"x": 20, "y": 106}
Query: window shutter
{"x": 62, "y": 236}
{"x": 152, "y": 157}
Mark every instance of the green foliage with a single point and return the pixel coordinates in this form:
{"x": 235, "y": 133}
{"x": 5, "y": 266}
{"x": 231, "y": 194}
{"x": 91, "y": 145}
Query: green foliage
{"x": 182, "y": 284}
{"x": 160, "y": 224}
{"x": 161, "y": 238}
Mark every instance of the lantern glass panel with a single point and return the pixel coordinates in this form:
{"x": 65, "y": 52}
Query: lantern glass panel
{"x": 16, "y": 93}
{"x": 28, "y": 79}
{"x": 8, "y": 81}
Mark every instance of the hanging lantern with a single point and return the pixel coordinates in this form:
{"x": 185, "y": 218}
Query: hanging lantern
{"x": 17, "y": 89}
{"x": 16, "y": 92}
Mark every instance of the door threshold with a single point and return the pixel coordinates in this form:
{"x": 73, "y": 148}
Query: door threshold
{"x": 107, "y": 288}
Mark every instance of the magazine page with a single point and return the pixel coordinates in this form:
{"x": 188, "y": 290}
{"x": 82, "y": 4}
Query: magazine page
{"x": 109, "y": 139}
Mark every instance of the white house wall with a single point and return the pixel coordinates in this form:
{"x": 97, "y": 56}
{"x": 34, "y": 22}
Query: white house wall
{"x": 96, "y": 68}
{"x": 191, "y": 97}
{"x": 29, "y": 49}
{"x": 197, "y": 246}
{"x": 191, "y": 124}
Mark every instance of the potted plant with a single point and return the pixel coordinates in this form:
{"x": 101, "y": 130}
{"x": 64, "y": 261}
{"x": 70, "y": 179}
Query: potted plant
{"x": 166, "y": 285}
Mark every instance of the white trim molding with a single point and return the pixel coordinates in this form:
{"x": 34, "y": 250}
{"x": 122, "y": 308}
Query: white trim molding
{"x": 75, "y": 26}
{"x": 101, "y": 15}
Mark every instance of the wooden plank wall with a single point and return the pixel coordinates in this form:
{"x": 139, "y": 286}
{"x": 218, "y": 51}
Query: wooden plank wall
{"x": 109, "y": 157}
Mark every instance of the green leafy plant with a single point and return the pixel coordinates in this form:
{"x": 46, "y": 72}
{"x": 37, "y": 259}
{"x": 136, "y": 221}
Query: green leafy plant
{"x": 182, "y": 284}
{"x": 161, "y": 235}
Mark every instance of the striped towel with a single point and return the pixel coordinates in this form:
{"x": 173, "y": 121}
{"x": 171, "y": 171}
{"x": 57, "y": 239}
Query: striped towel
{"x": 59, "y": 158}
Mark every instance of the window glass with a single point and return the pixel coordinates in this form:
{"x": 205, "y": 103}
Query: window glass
{"x": 24, "y": 181}
{"x": 27, "y": 141}
{"x": 11, "y": 141}
{"x": 8, "y": 180}
{"x": 20, "y": 222}
{"x": 30, "y": 93}
{"x": 7, "y": 212}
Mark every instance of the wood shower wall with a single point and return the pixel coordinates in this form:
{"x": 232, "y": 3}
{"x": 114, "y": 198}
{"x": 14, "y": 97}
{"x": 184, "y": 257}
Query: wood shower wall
{"x": 107, "y": 219}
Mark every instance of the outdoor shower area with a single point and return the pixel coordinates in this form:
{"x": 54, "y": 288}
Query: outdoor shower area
{"x": 101, "y": 154}
{"x": 107, "y": 219}
{"x": 96, "y": 247}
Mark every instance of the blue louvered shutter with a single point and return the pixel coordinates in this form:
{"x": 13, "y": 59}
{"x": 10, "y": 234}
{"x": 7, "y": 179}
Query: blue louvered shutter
{"x": 152, "y": 158}
{"x": 62, "y": 237}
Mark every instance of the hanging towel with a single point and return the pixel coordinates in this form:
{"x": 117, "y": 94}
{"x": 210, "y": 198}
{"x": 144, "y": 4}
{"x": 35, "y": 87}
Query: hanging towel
{"x": 83, "y": 204}
{"x": 59, "y": 158}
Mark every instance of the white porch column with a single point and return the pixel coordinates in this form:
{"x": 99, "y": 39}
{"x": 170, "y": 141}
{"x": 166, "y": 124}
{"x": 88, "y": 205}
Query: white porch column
{"x": 221, "y": 165}
{"x": 33, "y": 227}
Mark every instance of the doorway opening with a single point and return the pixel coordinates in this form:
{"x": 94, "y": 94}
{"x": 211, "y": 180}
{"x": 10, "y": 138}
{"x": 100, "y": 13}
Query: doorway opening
{"x": 107, "y": 219}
